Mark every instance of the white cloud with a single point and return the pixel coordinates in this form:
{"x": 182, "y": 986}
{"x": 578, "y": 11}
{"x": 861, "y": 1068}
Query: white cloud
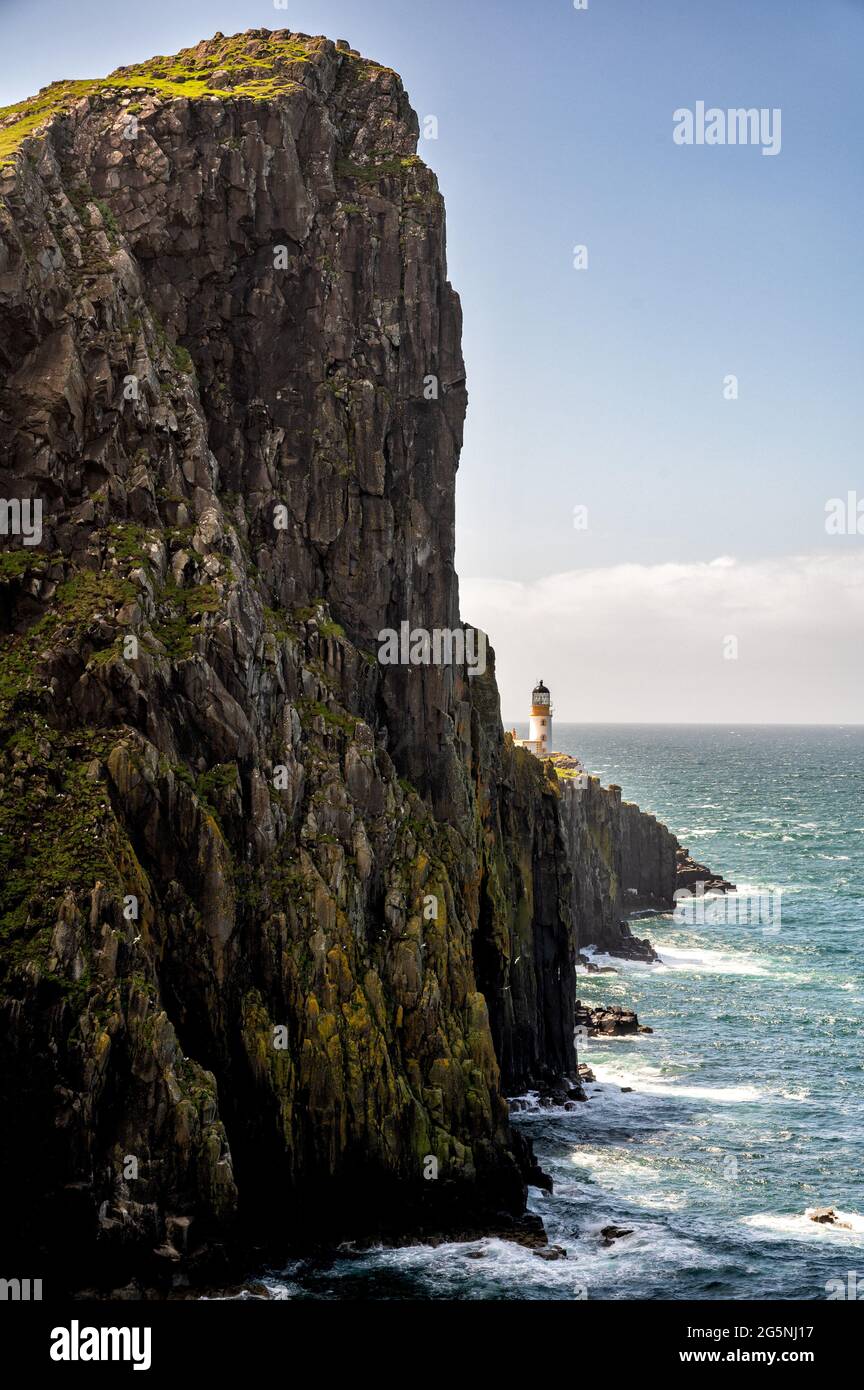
{"x": 633, "y": 642}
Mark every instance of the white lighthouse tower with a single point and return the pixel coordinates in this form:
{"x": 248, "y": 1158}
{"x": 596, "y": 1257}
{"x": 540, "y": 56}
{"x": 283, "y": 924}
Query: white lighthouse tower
{"x": 540, "y": 727}
{"x": 539, "y": 739}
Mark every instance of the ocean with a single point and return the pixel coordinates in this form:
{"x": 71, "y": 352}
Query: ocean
{"x": 745, "y": 1104}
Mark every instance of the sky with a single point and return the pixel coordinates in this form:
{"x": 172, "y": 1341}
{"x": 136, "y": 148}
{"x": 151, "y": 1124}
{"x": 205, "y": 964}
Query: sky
{"x": 651, "y": 542}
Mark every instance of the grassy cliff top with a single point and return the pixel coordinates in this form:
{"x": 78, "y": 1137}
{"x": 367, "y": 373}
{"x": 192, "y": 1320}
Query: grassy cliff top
{"x": 259, "y": 64}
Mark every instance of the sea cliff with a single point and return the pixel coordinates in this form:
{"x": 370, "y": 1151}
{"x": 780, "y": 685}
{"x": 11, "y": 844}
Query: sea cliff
{"x": 624, "y": 861}
{"x": 280, "y": 926}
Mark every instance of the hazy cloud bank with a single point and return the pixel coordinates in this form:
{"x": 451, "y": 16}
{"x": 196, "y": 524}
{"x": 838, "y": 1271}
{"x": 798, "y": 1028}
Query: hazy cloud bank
{"x": 652, "y": 642}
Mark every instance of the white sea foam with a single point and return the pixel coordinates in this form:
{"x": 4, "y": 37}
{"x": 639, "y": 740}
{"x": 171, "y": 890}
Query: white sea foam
{"x": 648, "y": 1081}
{"x": 611, "y": 1163}
{"x": 601, "y": 958}
{"x": 702, "y": 960}
{"x": 801, "y": 1227}
{"x": 484, "y": 1268}
{"x": 752, "y": 890}
{"x": 635, "y": 1182}
{"x": 530, "y": 1104}
{"x": 278, "y": 1289}
{"x": 707, "y": 961}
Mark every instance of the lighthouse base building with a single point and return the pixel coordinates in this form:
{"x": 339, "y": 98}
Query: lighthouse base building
{"x": 539, "y": 740}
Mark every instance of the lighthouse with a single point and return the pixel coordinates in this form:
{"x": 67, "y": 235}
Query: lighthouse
{"x": 540, "y": 727}
{"x": 539, "y": 739}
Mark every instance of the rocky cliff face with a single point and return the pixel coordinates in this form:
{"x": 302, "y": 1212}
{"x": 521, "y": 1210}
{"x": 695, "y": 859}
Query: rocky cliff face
{"x": 624, "y": 860}
{"x": 280, "y": 925}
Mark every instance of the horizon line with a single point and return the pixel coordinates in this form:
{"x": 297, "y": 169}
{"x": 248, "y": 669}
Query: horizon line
{"x": 702, "y": 723}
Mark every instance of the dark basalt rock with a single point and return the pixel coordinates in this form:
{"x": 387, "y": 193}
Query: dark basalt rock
{"x": 630, "y": 947}
{"x": 827, "y": 1216}
{"x": 607, "y": 1020}
{"x": 612, "y": 1233}
{"x": 689, "y": 874}
{"x": 625, "y": 862}
{"x": 215, "y": 339}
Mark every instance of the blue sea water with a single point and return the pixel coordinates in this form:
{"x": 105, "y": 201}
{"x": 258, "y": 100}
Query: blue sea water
{"x": 746, "y": 1105}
